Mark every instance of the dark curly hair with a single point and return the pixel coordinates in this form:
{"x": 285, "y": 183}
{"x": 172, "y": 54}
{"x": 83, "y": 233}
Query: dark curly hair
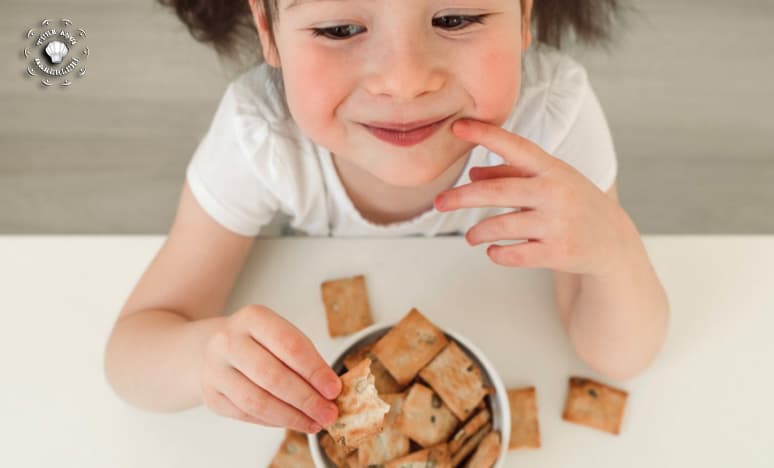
{"x": 228, "y": 24}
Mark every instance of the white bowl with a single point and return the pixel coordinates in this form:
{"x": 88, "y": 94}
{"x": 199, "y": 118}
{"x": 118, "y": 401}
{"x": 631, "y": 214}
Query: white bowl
{"x": 498, "y": 403}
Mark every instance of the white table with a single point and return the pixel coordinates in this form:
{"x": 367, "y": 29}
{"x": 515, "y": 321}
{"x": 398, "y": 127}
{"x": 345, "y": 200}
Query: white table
{"x": 708, "y": 400}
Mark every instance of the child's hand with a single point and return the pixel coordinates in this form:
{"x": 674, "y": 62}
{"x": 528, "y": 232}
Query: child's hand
{"x": 571, "y": 225}
{"x": 260, "y": 368}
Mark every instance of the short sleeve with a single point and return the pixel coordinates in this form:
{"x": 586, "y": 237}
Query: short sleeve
{"x": 223, "y": 174}
{"x": 588, "y": 144}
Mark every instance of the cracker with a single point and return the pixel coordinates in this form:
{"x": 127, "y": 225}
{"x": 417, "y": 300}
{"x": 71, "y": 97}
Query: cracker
{"x": 361, "y": 411}
{"x": 294, "y": 452}
{"x": 471, "y": 427}
{"x": 337, "y": 453}
{"x": 389, "y": 444}
{"x": 486, "y": 454}
{"x": 595, "y": 405}
{"x": 346, "y": 305}
{"x": 525, "y": 430}
{"x": 456, "y": 379}
{"x": 470, "y": 444}
{"x": 425, "y": 418}
{"x": 383, "y": 380}
{"x": 409, "y": 346}
{"x": 437, "y": 457}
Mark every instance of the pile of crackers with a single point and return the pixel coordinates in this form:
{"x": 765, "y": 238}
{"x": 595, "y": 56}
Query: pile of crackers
{"x": 415, "y": 398}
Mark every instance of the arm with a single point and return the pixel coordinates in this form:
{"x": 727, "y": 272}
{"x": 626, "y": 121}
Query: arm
{"x": 617, "y": 322}
{"x": 154, "y": 353}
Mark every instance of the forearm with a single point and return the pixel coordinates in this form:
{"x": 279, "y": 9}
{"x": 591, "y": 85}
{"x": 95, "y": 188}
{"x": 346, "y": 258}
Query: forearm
{"x": 618, "y": 321}
{"x": 153, "y": 357}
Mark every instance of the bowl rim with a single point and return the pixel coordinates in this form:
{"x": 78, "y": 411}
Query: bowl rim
{"x": 491, "y": 372}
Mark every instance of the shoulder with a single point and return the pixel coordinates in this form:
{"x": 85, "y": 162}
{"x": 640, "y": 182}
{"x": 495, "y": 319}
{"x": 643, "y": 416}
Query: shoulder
{"x": 554, "y": 87}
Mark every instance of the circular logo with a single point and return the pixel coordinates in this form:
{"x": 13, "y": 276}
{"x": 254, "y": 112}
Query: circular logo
{"x": 56, "y": 53}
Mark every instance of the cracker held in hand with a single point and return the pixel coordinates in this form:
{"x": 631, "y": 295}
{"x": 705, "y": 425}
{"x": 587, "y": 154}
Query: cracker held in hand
{"x": 409, "y": 346}
{"x": 525, "y": 432}
{"x": 595, "y": 405}
{"x": 293, "y": 453}
{"x": 389, "y": 444}
{"x": 456, "y": 379}
{"x": 346, "y": 305}
{"x": 361, "y": 411}
{"x": 383, "y": 380}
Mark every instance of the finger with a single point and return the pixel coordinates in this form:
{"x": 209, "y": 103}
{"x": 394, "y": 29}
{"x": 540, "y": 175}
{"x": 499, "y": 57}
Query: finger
{"x": 294, "y": 349}
{"x": 527, "y": 224}
{"x": 222, "y": 405}
{"x": 515, "y": 149}
{"x": 513, "y": 192}
{"x": 494, "y": 172}
{"x": 265, "y": 370}
{"x": 530, "y": 254}
{"x": 260, "y": 404}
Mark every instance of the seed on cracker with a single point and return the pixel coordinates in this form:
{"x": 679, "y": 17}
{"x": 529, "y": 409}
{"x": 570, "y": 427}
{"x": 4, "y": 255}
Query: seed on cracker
{"x": 456, "y": 379}
{"x": 293, "y": 453}
{"x": 346, "y": 305}
{"x": 361, "y": 411}
{"x": 425, "y": 418}
{"x": 389, "y": 444}
{"x": 525, "y": 430}
{"x": 471, "y": 427}
{"x": 595, "y": 405}
{"x": 436, "y": 457}
{"x": 409, "y": 346}
{"x": 487, "y": 451}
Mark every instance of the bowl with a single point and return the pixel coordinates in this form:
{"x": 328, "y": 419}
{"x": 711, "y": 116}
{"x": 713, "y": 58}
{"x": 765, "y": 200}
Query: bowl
{"x": 497, "y": 403}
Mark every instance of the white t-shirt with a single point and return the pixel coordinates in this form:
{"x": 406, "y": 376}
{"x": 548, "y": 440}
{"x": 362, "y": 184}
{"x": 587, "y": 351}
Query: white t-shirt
{"x": 254, "y": 161}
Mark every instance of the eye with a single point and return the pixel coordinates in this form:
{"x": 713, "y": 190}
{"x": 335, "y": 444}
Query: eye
{"x": 336, "y": 32}
{"x": 452, "y": 22}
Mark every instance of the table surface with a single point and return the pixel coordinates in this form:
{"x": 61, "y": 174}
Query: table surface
{"x": 706, "y": 400}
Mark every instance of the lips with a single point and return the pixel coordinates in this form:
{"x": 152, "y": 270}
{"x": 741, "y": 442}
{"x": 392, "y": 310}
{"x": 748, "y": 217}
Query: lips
{"x": 408, "y": 134}
{"x": 404, "y": 127}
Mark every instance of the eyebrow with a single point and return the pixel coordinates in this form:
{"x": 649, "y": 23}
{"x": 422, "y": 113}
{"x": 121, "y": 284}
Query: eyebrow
{"x": 296, "y": 3}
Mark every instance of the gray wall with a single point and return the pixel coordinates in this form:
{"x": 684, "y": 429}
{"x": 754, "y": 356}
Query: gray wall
{"x": 688, "y": 92}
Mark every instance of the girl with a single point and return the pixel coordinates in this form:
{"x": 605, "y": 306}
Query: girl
{"x": 385, "y": 118}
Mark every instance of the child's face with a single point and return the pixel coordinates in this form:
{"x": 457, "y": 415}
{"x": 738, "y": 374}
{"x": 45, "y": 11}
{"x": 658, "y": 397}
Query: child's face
{"x": 402, "y": 62}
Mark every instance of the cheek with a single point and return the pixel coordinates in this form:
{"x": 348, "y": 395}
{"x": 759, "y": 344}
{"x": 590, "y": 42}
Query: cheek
{"x": 498, "y": 83}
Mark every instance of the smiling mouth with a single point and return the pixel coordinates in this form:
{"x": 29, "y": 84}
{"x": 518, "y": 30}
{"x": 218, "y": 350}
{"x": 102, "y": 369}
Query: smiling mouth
{"x": 406, "y": 137}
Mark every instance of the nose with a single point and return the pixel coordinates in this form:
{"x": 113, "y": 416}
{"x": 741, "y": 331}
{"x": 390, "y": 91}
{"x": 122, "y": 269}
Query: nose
{"x": 404, "y": 69}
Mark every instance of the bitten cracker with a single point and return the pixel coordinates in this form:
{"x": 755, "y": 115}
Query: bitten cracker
{"x": 437, "y": 457}
{"x": 346, "y": 305}
{"x": 456, "y": 379}
{"x": 389, "y": 444}
{"x": 293, "y": 453}
{"x": 425, "y": 418}
{"x": 409, "y": 346}
{"x": 361, "y": 411}
{"x": 337, "y": 453}
{"x": 487, "y": 451}
{"x": 383, "y": 380}
{"x": 525, "y": 430}
{"x": 471, "y": 427}
{"x": 595, "y": 405}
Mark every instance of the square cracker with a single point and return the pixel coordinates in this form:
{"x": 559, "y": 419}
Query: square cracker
{"x": 471, "y": 427}
{"x": 409, "y": 346}
{"x": 595, "y": 405}
{"x": 425, "y": 418}
{"x": 293, "y": 453}
{"x": 487, "y": 452}
{"x": 383, "y": 380}
{"x": 471, "y": 444}
{"x": 346, "y": 305}
{"x": 437, "y": 456}
{"x": 456, "y": 379}
{"x": 361, "y": 411}
{"x": 391, "y": 442}
{"x": 525, "y": 431}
